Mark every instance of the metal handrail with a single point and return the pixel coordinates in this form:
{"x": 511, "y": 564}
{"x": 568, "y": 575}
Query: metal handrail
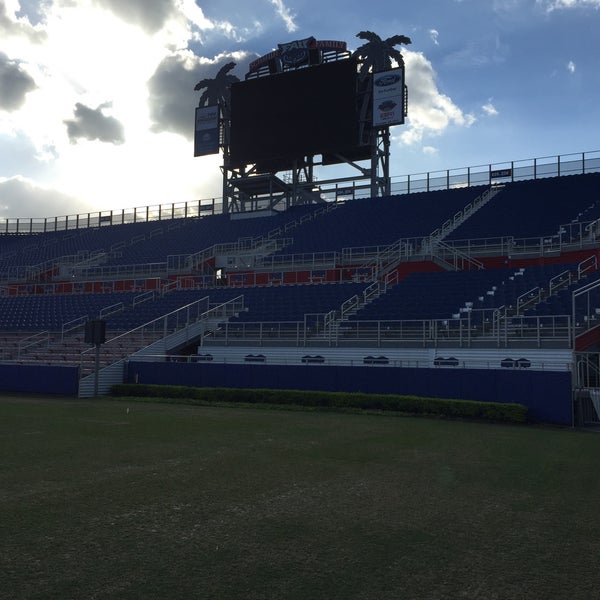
{"x": 33, "y": 340}
{"x": 72, "y": 325}
{"x": 111, "y": 310}
{"x": 145, "y": 297}
{"x": 533, "y": 168}
{"x": 590, "y": 264}
{"x": 462, "y": 215}
{"x": 529, "y": 298}
{"x": 560, "y": 281}
{"x": 460, "y": 258}
{"x": 170, "y": 322}
{"x": 476, "y": 326}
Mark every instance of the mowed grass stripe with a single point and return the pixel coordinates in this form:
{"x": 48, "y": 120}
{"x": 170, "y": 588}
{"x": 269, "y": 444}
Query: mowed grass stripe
{"x": 170, "y": 501}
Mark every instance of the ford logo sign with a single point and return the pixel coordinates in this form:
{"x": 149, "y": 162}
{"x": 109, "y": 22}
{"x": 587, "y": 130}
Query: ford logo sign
{"x": 387, "y": 106}
{"x": 387, "y": 80}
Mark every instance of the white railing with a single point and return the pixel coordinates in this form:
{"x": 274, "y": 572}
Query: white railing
{"x": 389, "y": 257}
{"x": 488, "y": 174}
{"x": 132, "y": 341}
{"x": 453, "y": 257}
{"x": 461, "y": 216}
{"x": 511, "y": 246}
{"x": 529, "y": 298}
{"x": 113, "y": 309}
{"x": 589, "y": 265}
{"x": 294, "y": 262}
{"x": 141, "y": 214}
{"x": 43, "y": 337}
{"x": 560, "y": 281}
{"x": 73, "y": 325}
{"x": 133, "y": 271}
{"x": 586, "y": 301}
{"x": 145, "y": 297}
{"x": 473, "y": 329}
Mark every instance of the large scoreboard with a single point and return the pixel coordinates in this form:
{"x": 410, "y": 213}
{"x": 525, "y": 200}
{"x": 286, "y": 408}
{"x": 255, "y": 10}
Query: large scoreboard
{"x": 283, "y": 118}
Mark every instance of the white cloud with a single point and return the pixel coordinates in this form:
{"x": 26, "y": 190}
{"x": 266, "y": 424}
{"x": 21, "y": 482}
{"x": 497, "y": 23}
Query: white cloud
{"x": 434, "y": 35}
{"x": 506, "y": 6}
{"x": 151, "y": 169}
{"x": 22, "y": 197}
{"x": 285, "y": 14}
{"x": 429, "y": 111}
{"x": 430, "y": 150}
{"x": 489, "y": 109}
{"x": 571, "y": 66}
{"x": 551, "y": 5}
{"x": 12, "y": 26}
{"x": 151, "y": 15}
{"x": 91, "y": 55}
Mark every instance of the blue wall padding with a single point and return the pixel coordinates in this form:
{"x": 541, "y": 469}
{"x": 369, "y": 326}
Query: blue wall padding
{"x": 40, "y": 379}
{"x": 547, "y": 395}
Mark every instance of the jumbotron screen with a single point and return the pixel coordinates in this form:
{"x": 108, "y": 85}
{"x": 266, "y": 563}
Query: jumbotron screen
{"x": 287, "y": 116}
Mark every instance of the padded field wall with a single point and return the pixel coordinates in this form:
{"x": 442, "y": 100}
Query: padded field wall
{"x": 39, "y": 379}
{"x": 546, "y": 394}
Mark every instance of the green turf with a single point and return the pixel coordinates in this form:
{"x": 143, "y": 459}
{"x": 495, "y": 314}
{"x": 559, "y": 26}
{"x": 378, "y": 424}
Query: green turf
{"x": 171, "y": 501}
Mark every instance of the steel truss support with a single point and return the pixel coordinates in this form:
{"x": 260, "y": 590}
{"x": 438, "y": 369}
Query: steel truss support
{"x": 246, "y": 190}
{"x": 380, "y": 164}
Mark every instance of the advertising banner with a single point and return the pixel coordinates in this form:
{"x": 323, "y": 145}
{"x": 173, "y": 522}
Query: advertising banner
{"x": 388, "y": 97}
{"x": 206, "y": 132}
{"x": 500, "y": 173}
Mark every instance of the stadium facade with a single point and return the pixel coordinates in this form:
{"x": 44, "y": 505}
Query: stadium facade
{"x": 479, "y": 283}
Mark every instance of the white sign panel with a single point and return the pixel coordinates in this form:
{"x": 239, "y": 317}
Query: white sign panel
{"x": 388, "y": 97}
{"x": 206, "y": 134}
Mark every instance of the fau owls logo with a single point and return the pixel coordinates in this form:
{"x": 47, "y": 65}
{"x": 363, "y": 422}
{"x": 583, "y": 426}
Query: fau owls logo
{"x": 296, "y": 53}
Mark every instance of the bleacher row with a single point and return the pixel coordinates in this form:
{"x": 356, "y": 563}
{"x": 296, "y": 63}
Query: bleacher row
{"x": 432, "y": 295}
{"x": 521, "y": 210}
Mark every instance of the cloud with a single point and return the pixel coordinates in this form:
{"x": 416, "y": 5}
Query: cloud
{"x": 434, "y": 35}
{"x": 13, "y": 26}
{"x": 30, "y": 10}
{"x": 21, "y": 197}
{"x": 489, "y": 109}
{"x": 429, "y": 111}
{"x": 182, "y": 16}
{"x": 92, "y": 124}
{"x": 571, "y": 66}
{"x": 151, "y": 15}
{"x": 285, "y": 14}
{"x": 172, "y": 99}
{"x": 482, "y": 52}
{"x": 89, "y": 55}
{"x": 552, "y": 5}
{"x": 506, "y": 6}
{"x": 171, "y": 93}
{"x": 15, "y": 83}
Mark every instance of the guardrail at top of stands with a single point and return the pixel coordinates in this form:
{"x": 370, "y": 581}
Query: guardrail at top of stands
{"x": 486, "y": 174}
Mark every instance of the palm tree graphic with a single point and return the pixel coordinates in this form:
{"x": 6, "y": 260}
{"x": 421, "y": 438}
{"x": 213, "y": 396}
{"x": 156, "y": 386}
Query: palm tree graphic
{"x": 377, "y": 54}
{"x": 217, "y": 90}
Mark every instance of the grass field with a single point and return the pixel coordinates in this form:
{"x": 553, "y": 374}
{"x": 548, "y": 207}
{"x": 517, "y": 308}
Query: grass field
{"x": 167, "y": 501}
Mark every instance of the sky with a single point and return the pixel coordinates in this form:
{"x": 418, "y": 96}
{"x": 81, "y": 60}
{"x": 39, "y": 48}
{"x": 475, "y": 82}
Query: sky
{"x": 97, "y": 96}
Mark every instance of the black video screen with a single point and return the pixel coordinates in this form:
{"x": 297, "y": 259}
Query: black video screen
{"x": 290, "y": 115}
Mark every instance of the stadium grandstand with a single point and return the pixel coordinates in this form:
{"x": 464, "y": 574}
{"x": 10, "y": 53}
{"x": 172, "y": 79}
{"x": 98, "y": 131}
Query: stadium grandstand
{"x": 479, "y": 283}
